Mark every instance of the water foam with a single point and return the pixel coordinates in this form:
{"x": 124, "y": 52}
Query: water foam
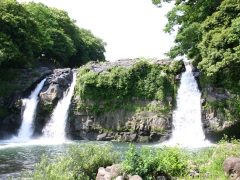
{"x": 55, "y": 129}
{"x": 187, "y": 124}
{"x": 26, "y": 131}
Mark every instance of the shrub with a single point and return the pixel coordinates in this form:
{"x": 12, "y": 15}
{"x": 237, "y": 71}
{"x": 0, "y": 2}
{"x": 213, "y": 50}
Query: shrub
{"x": 211, "y": 160}
{"x": 149, "y": 161}
{"x": 79, "y": 162}
{"x": 116, "y": 88}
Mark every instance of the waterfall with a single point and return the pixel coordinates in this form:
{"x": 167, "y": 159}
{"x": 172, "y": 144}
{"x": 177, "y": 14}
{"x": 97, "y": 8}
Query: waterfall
{"x": 187, "y": 124}
{"x": 55, "y": 129}
{"x": 30, "y": 104}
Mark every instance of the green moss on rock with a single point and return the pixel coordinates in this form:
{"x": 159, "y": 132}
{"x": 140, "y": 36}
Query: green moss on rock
{"x": 117, "y": 87}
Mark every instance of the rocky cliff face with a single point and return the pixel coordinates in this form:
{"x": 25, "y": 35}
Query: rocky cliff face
{"x": 107, "y": 111}
{"x": 15, "y": 85}
{"x": 22, "y": 83}
{"x": 220, "y": 113}
{"x": 53, "y": 90}
{"x": 127, "y": 100}
{"x": 119, "y": 125}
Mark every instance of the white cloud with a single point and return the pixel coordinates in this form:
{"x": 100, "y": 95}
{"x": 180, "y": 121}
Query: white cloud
{"x": 131, "y": 28}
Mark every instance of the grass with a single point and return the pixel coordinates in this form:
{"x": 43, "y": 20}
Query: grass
{"x": 83, "y": 161}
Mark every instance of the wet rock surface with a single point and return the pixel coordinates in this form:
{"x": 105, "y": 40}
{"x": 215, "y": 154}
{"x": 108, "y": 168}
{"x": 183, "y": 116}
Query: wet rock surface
{"x": 19, "y": 87}
{"x": 215, "y": 114}
{"x": 26, "y": 81}
{"x": 53, "y": 90}
{"x": 55, "y": 85}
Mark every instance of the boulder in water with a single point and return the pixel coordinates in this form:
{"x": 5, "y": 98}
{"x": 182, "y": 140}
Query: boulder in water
{"x": 56, "y": 85}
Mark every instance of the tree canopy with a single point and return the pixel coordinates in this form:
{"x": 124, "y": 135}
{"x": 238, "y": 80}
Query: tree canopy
{"x": 208, "y": 32}
{"x": 34, "y": 31}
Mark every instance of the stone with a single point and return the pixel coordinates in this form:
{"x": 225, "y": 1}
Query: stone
{"x": 231, "y": 167}
{"x": 52, "y": 93}
{"x": 135, "y": 177}
{"x": 109, "y": 172}
{"x": 133, "y": 137}
{"x": 55, "y": 85}
{"x": 206, "y": 175}
{"x": 103, "y": 174}
{"x": 102, "y": 137}
{"x": 119, "y": 178}
{"x": 44, "y": 71}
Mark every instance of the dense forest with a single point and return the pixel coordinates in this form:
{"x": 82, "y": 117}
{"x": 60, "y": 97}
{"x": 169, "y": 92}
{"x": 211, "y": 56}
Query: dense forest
{"x": 34, "y": 31}
{"x": 208, "y": 32}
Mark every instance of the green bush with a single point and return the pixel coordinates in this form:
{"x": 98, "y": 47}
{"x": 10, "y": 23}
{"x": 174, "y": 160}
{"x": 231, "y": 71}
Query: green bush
{"x": 150, "y": 161}
{"x": 79, "y": 162}
{"x": 82, "y": 161}
{"x": 211, "y": 159}
{"x": 116, "y": 88}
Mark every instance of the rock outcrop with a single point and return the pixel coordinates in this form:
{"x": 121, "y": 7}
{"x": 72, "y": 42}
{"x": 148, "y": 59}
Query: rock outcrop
{"x": 57, "y": 83}
{"x": 22, "y": 82}
{"x": 53, "y": 90}
{"x": 152, "y": 122}
{"x": 219, "y": 114}
{"x": 120, "y": 125}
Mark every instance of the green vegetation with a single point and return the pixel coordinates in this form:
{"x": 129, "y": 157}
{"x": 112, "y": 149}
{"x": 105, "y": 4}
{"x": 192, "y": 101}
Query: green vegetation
{"x": 34, "y": 31}
{"x": 230, "y": 108}
{"x": 120, "y": 87}
{"x": 79, "y": 162}
{"x": 150, "y": 161}
{"x": 83, "y": 161}
{"x": 208, "y": 33}
{"x": 211, "y": 160}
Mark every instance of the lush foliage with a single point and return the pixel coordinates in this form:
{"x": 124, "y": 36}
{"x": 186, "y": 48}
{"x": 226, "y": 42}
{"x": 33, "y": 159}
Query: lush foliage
{"x": 79, "y": 162}
{"x": 210, "y": 160}
{"x": 119, "y": 86}
{"x": 178, "y": 163}
{"x": 209, "y": 33}
{"x": 220, "y": 46}
{"x": 34, "y": 31}
{"x": 150, "y": 161}
{"x": 82, "y": 161}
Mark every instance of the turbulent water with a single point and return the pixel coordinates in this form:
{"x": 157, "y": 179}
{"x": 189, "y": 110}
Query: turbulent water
{"x": 55, "y": 129}
{"x": 30, "y": 104}
{"x": 187, "y": 125}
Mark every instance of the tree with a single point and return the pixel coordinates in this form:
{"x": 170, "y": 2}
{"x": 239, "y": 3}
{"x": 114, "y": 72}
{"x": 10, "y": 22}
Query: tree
{"x": 29, "y": 30}
{"x": 188, "y": 16}
{"x": 220, "y": 45}
{"x": 208, "y": 33}
{"x": 18, "y": 34}
{"x": 64, "y": 42}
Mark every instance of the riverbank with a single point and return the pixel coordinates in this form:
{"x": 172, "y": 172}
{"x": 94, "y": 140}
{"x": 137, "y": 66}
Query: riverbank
{"x": 146, "y": 160}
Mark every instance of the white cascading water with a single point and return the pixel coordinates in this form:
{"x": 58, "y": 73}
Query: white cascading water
{"x": 30, "y": 104}
{"x": 55, "y": 129}
{"x": 187, "y": 125}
